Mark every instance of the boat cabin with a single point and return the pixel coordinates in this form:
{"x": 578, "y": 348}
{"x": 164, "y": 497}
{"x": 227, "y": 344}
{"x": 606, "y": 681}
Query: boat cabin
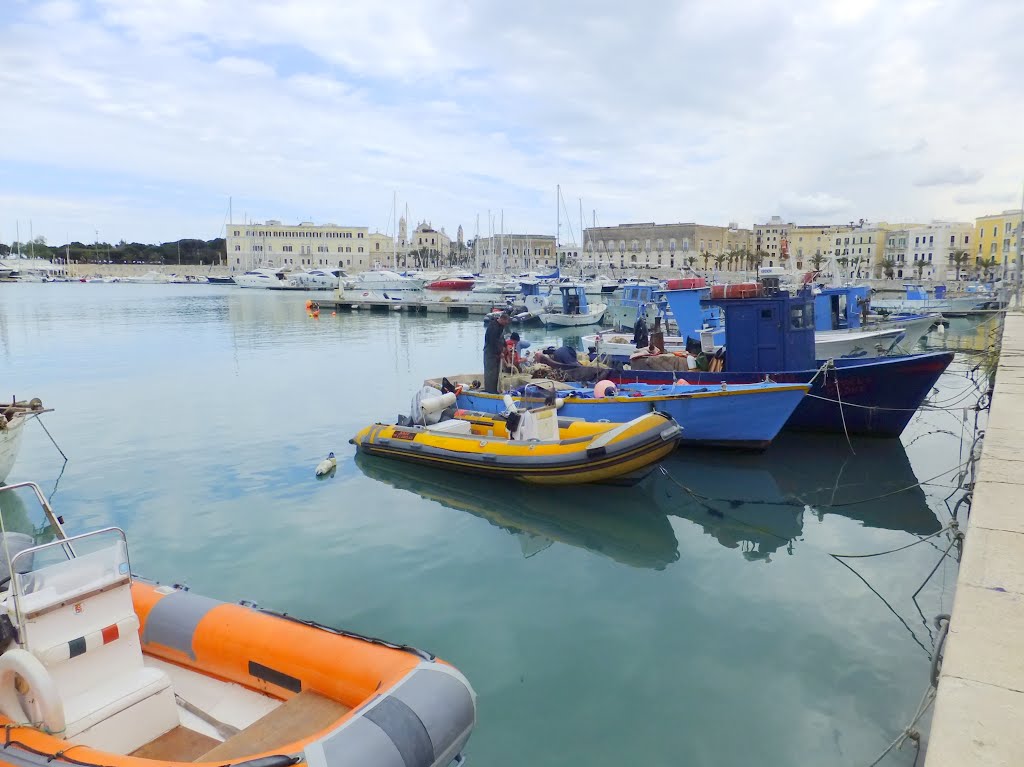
{"x": 691, "y": 313}
{"x": 574, "y": 299}
{"x": 841, "y": 308}
{"x": 768, "y": 333}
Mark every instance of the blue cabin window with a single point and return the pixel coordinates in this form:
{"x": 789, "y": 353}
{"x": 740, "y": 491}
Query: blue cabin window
{"x": 801, "y": 317}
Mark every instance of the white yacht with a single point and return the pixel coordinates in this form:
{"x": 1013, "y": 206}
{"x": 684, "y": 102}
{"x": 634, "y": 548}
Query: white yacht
{"x": 381, "y": 279}
{"x": 319, "y": 279}
{"x": 149, "y": 278}
{"x": 261, "y": 278}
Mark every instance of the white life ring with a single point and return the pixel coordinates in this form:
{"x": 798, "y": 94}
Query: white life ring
{"x": 42, "y": 697}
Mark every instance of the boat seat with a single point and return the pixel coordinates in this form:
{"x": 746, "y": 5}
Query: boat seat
{"x": 305, "y": 714}
{"x": 452, "y": 426}
{"x": 80, "y": 622}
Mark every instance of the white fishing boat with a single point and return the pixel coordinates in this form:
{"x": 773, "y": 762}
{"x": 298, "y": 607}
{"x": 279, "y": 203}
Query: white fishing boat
{"x": 575, "y": 310}
{"x": 13, "y": 418}
{"x": 919, "y": 299}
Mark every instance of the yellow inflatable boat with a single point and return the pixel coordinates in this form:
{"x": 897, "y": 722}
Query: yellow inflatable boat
{"x": 530, "y": 446}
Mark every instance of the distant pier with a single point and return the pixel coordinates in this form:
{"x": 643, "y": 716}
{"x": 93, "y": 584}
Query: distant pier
{"x": 454, "y": 308}
{"x": 979, "y": 709}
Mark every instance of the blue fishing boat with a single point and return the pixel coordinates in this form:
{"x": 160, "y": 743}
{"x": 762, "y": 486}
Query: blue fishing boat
{"x": 746, "y": 416}
{"x": 773, "y": 335}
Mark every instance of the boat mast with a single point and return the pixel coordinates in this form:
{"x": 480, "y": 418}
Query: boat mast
{"x": 558, "y": 224}
{"x": 394, "y": 231}
{"x": 476, "y": 246}
{"x": 583, "y": 247}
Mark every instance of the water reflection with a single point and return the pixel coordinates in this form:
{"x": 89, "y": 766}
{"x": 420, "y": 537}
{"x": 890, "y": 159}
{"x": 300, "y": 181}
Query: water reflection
{"x": 757, "y": 503}
{"x": 606, "y": 520}
{"x": 21, "y": 513}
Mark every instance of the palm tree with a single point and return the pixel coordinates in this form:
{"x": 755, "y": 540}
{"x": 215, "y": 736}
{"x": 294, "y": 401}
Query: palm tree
{"x": 691, "y": 260}
{"x": 888, "y": 267}
{"x": 960, "y": 258}
{"x": 919, "y": 267}
{"x": 707, "y": 257}
{"x": 719, "y": 260}
{"x": 817, "y": 259}
{"x": 990, "y": 265}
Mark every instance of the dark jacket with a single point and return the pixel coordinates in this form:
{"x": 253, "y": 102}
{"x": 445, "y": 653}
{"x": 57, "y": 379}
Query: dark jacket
{"x": 494, "y": 340}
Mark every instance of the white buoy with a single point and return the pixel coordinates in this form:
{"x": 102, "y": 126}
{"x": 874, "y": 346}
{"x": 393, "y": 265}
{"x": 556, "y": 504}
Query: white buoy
{"x": 327, "y": 465}
{"x": 940, "y": 329}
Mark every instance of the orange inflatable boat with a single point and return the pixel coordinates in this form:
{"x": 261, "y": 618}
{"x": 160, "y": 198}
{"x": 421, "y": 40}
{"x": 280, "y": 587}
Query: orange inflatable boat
{"x": 99, "y": 668}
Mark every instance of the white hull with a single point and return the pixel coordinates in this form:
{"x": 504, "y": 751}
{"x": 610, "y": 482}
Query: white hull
{"x": 591, "y": 317}
{"x": 943, "y": 305}
{"x": 828, "y": 344}
{"x": 10, "y": 443}
{"x": 864, "y": 344}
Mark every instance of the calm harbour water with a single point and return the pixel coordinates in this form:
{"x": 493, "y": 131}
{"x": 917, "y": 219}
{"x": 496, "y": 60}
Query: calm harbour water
{"x": 599, "y": 626}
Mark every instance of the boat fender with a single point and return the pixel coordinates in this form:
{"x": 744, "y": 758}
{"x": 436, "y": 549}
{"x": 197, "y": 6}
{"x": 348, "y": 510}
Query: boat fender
{"x": 277, "y": 760}
{"x": 604, "y": 388}
{"x": 510, "y": 404}
{"x": 431, "y": 405}
{"x": 40, "y": 693}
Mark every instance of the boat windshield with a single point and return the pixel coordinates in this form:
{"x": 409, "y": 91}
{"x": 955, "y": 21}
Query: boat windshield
{"x": 69, "y": 570}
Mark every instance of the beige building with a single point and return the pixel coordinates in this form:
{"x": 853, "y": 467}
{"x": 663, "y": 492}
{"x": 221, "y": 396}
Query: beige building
{"x": 653, "y": 246}
{"x": 771, "y": 240}
{"x": 427, "y": 239}
{"x": 514, "y": 252}
{"x": 925, "y": 251}
{"x": 304, "y": 246}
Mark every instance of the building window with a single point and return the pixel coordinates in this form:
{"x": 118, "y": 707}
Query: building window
{"x": 236, "y": 233}
{"x": 995, "y": 231}
{"x": 360, "y": 249}
{"x": 238, "y": 247}
{"x": 360, "y": 235}
{"x": 1007, "y": 228}
{"x": 967, "y": 239}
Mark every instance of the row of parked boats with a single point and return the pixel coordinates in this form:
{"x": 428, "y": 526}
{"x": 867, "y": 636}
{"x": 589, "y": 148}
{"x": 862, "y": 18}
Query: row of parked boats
{"x": 768, "y": 378}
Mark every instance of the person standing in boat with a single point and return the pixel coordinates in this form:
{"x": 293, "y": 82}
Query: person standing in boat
{"x": 494, "y": 348}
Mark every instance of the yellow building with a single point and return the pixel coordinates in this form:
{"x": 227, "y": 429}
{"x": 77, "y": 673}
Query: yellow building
{"x": 806, "y": 242}
{"x": 996, "y": 236}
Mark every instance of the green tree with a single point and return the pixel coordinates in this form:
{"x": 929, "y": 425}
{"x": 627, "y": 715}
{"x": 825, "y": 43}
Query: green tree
{"x": 960, "y": 259}
{"x": 888, "y": 265}
{"x": 817, "y": 259}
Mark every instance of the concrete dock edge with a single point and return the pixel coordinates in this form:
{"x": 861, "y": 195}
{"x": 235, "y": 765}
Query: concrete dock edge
{"x": 979, "y": 708}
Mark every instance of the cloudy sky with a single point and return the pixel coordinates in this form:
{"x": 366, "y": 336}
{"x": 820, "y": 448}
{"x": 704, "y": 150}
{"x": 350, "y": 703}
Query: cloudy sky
{"x": 140, "y": 118}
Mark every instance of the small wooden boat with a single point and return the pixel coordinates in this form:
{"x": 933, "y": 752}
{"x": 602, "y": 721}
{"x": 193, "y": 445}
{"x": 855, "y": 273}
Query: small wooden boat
{"x": 13, "y": 418}
{"x": 101, "y": 668}
{"x": 531, "y": 446}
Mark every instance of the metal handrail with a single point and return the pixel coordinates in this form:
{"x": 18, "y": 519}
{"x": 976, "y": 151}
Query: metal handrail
{"x": 53, "y": 518}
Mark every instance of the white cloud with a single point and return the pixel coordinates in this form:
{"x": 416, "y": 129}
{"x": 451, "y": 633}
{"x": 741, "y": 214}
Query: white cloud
{"x": 816, "y": 205}
{"x": 709, "y": 111}
{"x": 950, "y": 176}
{"x": 242, "y": 66}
